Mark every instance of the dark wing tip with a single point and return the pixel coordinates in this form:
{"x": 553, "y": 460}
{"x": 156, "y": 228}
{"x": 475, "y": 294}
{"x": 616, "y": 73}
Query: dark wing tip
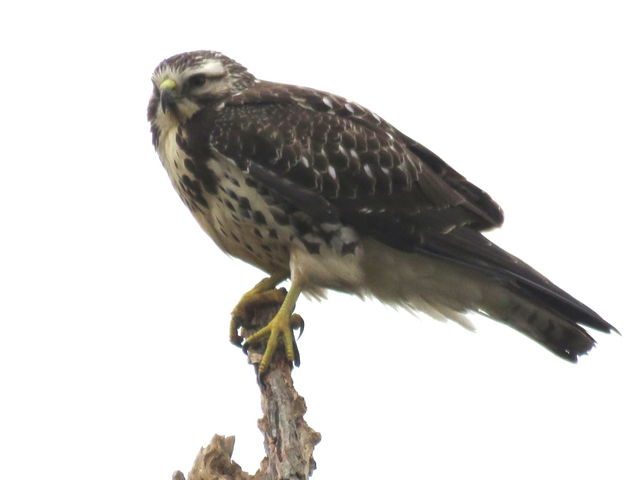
{"x": 489, "y": 213}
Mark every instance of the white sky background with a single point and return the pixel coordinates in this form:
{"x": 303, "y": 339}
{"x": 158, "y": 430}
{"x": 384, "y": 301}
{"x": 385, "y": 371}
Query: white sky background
{"x": 114, "y": 358}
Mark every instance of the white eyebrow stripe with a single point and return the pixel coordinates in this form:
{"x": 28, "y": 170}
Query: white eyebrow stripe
{"x": 212, "y": 68}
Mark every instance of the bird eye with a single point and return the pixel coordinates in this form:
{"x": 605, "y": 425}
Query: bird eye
{"x": 197, "y": 80}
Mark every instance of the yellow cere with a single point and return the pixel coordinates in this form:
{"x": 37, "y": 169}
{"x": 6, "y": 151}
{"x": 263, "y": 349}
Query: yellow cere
{"x": 168, "y": 83}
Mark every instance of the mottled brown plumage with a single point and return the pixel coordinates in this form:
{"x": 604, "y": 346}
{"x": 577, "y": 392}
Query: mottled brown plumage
{"x": 304, "y": 182}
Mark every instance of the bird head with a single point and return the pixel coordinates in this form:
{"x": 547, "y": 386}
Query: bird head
{"x": 185, "y": 83}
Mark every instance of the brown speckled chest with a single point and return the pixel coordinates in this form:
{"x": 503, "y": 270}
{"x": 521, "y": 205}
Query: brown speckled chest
{"x": 245, "y": 218}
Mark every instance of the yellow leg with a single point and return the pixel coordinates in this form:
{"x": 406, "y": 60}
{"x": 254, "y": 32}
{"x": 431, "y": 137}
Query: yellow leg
{"x": 280, "y": 326}
{"x": 263, "y": 293}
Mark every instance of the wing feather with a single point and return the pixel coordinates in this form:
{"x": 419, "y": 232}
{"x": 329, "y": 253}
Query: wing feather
{"x": 346, "y": 155}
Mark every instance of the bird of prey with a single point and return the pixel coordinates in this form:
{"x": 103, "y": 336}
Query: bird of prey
{"x": 309, "y": 186}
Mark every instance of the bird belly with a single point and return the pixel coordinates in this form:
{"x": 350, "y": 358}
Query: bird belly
{"x": 328, "y": 268}
{"x": 229, "y": 209}
{"x": 248, "y": 222}
{"x": 240, "y": 220}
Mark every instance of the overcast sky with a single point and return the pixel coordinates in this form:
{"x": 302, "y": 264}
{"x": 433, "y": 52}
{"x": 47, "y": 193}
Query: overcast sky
{"x": 114, "y": 357}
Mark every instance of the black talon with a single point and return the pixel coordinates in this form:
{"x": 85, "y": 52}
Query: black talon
{"x": 299, "y": 324}
{"x": 296, "y": 354}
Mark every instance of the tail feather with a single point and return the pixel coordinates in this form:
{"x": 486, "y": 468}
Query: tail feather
{"x": 563, "y": 303}
{"x": 493, "y": 283}
{"x": 549, "y": 327}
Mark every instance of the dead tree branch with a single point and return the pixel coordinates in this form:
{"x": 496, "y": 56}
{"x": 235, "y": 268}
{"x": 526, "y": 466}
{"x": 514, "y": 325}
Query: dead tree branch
{"x": 288, "y": 440}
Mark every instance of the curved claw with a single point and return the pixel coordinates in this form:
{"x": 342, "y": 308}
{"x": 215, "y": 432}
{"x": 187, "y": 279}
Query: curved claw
{"x": 297, "y": 322}
{"x": 296, "y": 354}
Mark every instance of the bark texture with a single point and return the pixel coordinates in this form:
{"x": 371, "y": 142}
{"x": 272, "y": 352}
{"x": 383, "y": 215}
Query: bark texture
{"x": 288, "y": 440}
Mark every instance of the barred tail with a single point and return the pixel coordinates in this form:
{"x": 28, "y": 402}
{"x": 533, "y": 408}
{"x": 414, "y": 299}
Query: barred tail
{"x": 551, "y": 323}
{"x": 518, "y": 297}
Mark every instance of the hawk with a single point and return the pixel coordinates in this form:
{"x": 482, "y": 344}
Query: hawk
{"x": 309, "y": 186}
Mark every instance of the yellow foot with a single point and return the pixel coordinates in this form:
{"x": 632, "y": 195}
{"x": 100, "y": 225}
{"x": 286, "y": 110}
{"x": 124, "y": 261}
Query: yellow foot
{"x": 264, "y": 293}
{"x": 279, "y": 328}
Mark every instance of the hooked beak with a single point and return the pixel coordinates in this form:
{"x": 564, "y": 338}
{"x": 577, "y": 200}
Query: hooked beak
{"x": 167, "y": 95}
